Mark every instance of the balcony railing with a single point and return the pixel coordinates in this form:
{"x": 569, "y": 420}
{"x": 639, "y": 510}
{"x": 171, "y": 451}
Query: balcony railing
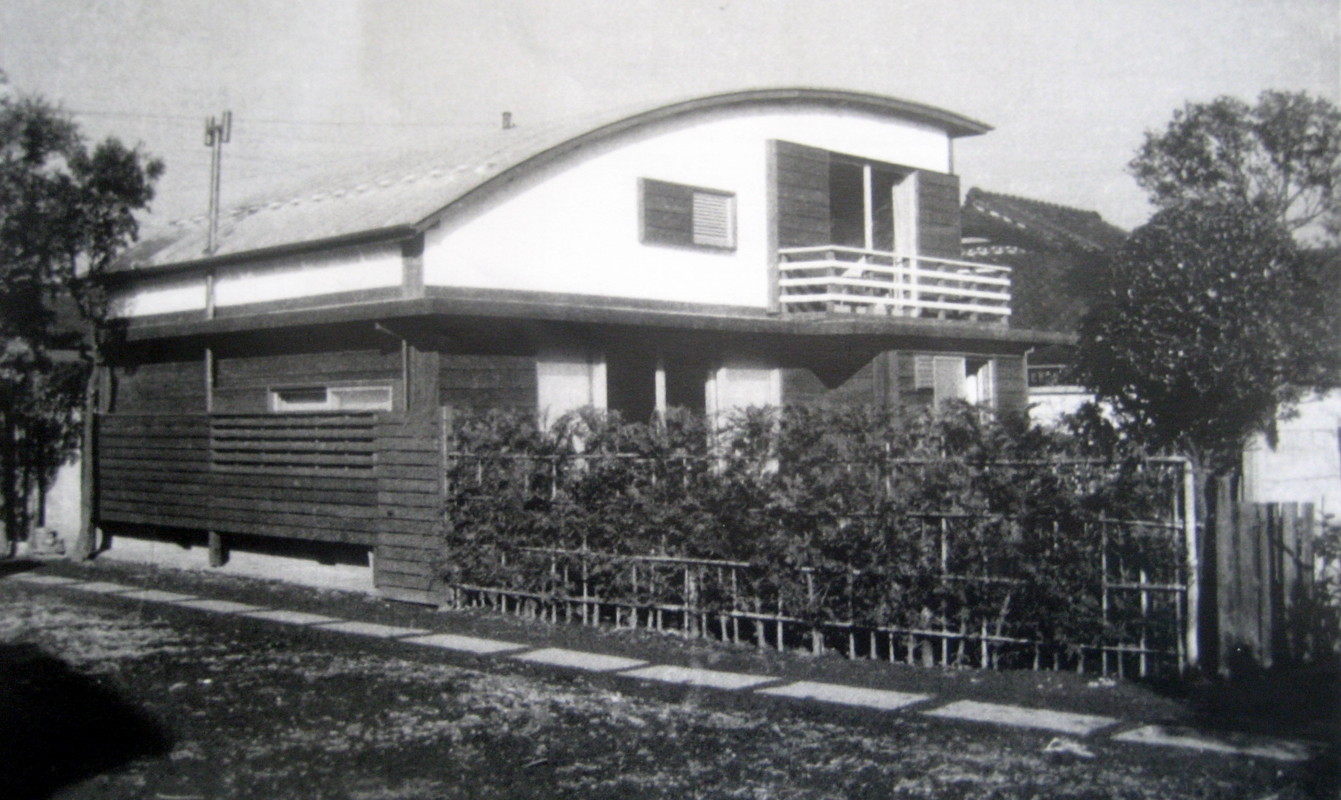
{"x": 854, "y": 280}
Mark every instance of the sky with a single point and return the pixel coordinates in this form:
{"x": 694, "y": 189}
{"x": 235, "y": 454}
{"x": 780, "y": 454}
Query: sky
{"x": 1069, "y": 86}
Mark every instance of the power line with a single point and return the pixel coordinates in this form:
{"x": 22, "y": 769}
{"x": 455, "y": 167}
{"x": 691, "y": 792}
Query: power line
{"x": 276, "y": 121}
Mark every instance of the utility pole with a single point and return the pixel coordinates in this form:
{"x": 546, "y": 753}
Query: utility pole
{"x": 217, "y": 133}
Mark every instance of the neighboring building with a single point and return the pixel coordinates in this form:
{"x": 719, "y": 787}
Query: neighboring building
{"x": 755, "y": 248}
{"x": 1053, "y": 251}
{"x": 1050, "y": 249}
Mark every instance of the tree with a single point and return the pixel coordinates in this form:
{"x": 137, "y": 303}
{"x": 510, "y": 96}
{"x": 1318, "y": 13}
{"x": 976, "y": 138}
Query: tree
{"x": 1211, "y": 323}
{"x": 1282, "y": 155}
{"x": 66, "y": 211}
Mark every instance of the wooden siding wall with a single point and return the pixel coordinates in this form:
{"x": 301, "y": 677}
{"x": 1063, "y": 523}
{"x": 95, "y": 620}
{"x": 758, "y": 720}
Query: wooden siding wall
{"x": 409, "y": 493}
{"x": 409, "y": 485}
{"x": 889, "y": 379}
{"x": 938, "y": 215}
{"x": 803, "y": 195}
{"x": 242, "y": 382}
{"x": 301, "y": 477}
{"x": 164, "y": 387}
{"x": 871, "y": 383}
{"x": 481, "y": 382}
{"x": 1012, "y": 384}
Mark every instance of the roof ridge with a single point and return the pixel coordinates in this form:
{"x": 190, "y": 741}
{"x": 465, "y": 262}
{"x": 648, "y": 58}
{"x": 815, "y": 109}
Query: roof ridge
{"x": 1037, "y": 202}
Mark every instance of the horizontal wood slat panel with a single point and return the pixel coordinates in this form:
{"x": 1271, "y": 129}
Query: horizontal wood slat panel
{"x": 241, "y": 490}
{"x": 273, "y": 530}
{"x": 405, "y": 567}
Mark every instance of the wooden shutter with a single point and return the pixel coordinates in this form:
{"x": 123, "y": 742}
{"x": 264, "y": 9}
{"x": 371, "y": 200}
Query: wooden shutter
{"x": 714, "y": 222}
{"x": 938, "y": 228}
{"x": 668, "y": 213}
{"x": 924, "y": 372}
{"x": 802, "y": 195}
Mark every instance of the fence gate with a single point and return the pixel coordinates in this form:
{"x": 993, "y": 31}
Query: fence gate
{"x": 1264, "y": 572}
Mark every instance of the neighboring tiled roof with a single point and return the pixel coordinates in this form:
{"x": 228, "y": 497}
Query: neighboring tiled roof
{"x": 1005, "y": 219}
{"x": 407, "y": 193}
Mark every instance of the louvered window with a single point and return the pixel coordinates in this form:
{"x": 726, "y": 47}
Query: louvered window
{"x": 331, "y": 398}
{"x": 676, "y": 214}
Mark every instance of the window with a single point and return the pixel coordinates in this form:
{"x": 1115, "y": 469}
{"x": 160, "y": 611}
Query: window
{"x": 687, "y": 216}
{"x": 331, "y": 398}
{"x": 956, "y": 378}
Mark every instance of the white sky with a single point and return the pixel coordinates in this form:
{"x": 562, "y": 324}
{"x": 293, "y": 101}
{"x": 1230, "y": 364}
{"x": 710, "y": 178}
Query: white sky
{"x": 1070, "y": 85}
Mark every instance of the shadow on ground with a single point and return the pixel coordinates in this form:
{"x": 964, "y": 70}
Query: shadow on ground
{"x": 58, "y": 727}
{"x": 1292, "y": 702}
{"x": 16, "y": 565}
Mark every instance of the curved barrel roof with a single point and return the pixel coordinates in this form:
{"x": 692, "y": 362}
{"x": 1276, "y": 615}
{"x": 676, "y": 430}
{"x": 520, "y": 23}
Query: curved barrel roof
{"x": 402, "y": 196}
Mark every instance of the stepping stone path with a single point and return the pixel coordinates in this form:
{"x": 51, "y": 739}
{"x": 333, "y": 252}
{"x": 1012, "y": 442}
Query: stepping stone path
{"x": 1065, "y": 722}
{"x": 221, "y": 606}
{"x": 465, "y": 644}
{"x": 1233, "y": 744}
{"x": 1020, "y": 717}
{"x": 290, "y": 617}
{"x": 693, "y": 676}
{"x": 577, "y": 659}
{"x": 372, "y": 629}
{"x": 881, "y": 699}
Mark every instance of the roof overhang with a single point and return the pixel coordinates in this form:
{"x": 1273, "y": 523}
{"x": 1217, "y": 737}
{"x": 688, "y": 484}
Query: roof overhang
{"x": 487, "y": 307}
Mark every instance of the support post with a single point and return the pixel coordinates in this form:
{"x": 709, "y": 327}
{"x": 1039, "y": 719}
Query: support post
{"x": 218, "y": 549}
{"x": 1192, "y": 636}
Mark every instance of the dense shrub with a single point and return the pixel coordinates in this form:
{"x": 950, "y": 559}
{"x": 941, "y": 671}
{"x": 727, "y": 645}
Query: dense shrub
{"x": 849, "y": 516}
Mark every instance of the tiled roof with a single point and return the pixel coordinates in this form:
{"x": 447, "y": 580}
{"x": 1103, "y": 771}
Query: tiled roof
{"x": 383, "y": 194}
{"x": 1005, "y": 219}
{"x": 404, "y": 193}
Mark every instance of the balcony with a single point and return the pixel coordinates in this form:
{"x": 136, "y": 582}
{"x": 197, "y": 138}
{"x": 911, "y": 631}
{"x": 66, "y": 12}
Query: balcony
{"x": 854, "y": 280}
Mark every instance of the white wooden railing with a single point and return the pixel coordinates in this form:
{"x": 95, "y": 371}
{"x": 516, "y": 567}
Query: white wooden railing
{"x": 854, "y": 280}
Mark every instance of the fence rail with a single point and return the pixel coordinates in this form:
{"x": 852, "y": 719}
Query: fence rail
{"x": 961, "y": 590}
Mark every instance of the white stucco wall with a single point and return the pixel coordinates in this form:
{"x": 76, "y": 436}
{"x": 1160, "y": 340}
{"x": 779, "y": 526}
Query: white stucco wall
{"x": 740, "y": 383}
{"x": 160, "y": 296}
{"x": 349, "y": 270}
{"x": 1305, "y": 464}
{"x": 567, "y": 381}
{"x": 576, "y": 228}
{"x": 1048, "y": 404}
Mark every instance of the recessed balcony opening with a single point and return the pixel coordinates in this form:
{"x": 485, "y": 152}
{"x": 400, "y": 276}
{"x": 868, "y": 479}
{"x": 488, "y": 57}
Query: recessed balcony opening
{"x": 863, "y": 237}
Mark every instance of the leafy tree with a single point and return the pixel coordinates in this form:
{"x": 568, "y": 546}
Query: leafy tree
{"x": 1282, "y": 155}
{"x": 1210, "y": 325}
{"x": 66, "y": 211}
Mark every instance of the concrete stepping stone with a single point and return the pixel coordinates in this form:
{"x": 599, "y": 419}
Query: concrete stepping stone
{"x": 220, "y": 606}
{"x": 371, "y": 629}
{"x": 102, "y": 587}
{"x": 881, "y": 699}
{"x": 157, "y": 596}
{"x": 1228, "y": 743}
{"x": 578, "y": 659}
{"x": 290, "y": 617}
{"x": 45, "y": 580}
{"x": 1021, "y": 717}
{"x": 465, "y": 644}
{"x": 693, "y": 676}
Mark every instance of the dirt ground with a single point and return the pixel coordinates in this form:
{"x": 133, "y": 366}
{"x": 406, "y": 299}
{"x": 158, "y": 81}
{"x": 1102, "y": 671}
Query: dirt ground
{"x": 103, "y": 698}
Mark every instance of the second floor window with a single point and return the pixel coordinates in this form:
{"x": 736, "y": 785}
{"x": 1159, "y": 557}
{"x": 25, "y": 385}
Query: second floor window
{"x": 687, "y": 216}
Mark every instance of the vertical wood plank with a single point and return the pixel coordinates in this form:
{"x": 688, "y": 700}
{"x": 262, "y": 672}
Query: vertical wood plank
{"x": 1227, "y": 572}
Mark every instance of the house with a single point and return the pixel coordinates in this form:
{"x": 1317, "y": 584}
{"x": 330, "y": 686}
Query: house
{"x": 285, "y": 389}
{"x": 1051, "y": 249}
{"x": 1054, "y": 252}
